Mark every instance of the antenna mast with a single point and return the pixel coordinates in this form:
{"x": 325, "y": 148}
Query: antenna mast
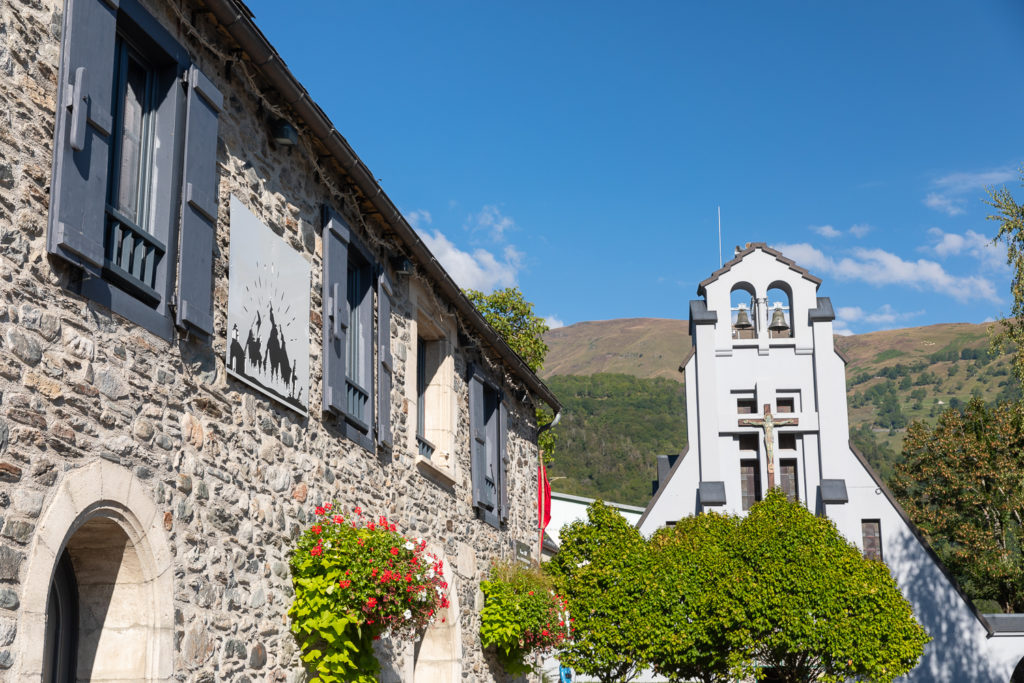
{"x": 719, "y": 236}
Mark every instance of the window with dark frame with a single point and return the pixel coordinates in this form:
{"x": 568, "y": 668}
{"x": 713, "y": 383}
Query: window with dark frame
{"x": 750, "y": 483}
{"x": 359, "y": 342}
{"x": 746, "y": 406}
{"x": 136, "y": 124}
{"x": 423, "y": 375}
{"x": 748, "y": 442}
{"x": 871, "y": 531}
{"x": 488, "y": 432}
{"x": 788, "y": 479}
{"x": 787, "y": 441}
{"x": 785, "y": 405}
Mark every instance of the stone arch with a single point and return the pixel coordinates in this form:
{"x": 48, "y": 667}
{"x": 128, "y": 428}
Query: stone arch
{"x": 438, "y": 656}
{"x": 112, "y": 530}
{"x": 743, "y": 296}
{"x": 780, "y": 292}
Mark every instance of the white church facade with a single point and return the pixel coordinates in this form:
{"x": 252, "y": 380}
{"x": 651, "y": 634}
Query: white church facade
{"x": 763, "y": 352}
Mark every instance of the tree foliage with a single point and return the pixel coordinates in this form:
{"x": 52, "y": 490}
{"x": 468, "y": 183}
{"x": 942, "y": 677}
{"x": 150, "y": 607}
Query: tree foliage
{"x": 604, "y": 572}
{"x": 814, "y": 607}
{"x": 963, "y": 484}
{"x": 1010, "y": 216}
{"x": 695, "y": 588}
{"x": 511, "y": 315}
{"x": 777, "y": 591}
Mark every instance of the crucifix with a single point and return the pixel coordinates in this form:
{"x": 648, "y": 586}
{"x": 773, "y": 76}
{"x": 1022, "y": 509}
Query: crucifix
{"x": 768, "y": 424}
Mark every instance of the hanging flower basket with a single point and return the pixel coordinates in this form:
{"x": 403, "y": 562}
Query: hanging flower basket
{"x": 356, "y": 580}
{"x": 522, "y": 616}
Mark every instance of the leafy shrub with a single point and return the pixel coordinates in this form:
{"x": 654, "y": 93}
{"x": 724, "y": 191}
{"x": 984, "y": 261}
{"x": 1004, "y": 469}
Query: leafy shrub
{"x": 355, "y": 580}
{"x": 522, "y": 616}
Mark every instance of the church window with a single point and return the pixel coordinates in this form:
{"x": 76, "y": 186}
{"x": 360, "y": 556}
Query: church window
{"x": 787, "y": 441}
{"x": 787, "y": 401}
{"x": 135, "y": 171}
{"x": 750, "y": 483}
{"x": 872, "y": 533}
{"x": 748, "y": 442}
{"x": 784, "y": 405}
{"x": 788, "y": 478}
{"x": 746, "y": 406}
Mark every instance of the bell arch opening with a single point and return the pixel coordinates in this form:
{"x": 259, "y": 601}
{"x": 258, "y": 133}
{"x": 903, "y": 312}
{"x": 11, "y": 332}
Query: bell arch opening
{"x": 780, "y": 310}
{"x": 743, "y": 311}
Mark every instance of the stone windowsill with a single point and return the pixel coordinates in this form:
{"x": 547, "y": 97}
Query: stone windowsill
{"x": 434, "y": 470}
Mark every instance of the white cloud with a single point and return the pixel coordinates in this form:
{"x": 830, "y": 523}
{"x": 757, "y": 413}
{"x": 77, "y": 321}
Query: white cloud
{"x": 841, "y": 329}
{"x": 943, "y": 203}
{"x": 491, "y": 220}
{"x": 950, "y": 189}
{"x": 480, "y": 269}
{"x": 860, "y": 229}
{"x": 884, "y": 315}
{"x": 419, "y": 219}
{"x": 553, "y": 322}
{"x": 826, "y": 231}
{"x": 991, "y": 254}
{"x": 879, "y": 267}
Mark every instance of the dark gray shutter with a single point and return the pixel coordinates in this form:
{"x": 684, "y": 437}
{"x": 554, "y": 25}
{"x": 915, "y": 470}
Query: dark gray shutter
{"x": 477, "y": 441}
{"x": 335, "y": 309}
{"x": 502, "y": 452}
{"x": 83, "y": 131}
{"x": 198, "y": 204}
{"x": 386, "y": 362}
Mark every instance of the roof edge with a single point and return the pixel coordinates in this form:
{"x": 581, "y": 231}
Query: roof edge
{"x": 749, "y": 249}
{"x": 663, "y": 487}
{"x": 237, "y": 20}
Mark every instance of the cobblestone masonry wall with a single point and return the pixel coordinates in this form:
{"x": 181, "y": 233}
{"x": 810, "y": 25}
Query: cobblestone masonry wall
{"x": 234, "y": 474}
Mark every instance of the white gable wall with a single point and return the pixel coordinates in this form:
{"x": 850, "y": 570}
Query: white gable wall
{"x": 807, "y": 367}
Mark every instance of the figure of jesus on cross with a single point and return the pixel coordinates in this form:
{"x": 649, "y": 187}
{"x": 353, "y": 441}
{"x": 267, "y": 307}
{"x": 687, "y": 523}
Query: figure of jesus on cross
{"x": 768, "y": 424}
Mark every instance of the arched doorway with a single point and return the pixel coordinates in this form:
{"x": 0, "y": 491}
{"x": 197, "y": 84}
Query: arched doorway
{"x": 98, "y": 595}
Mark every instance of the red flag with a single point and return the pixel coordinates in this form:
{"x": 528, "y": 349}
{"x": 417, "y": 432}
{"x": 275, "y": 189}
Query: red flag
{"x": 543, "y": 497}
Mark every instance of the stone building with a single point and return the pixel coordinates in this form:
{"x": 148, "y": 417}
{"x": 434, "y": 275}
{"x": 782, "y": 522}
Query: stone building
{"x": 214, "y": 319}
{"x": 763, "y": 352}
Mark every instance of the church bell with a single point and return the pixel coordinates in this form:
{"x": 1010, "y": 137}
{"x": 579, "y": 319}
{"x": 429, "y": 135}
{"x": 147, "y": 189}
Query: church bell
{"x": 778, "y": 323}
{"x": 742, "y": 320}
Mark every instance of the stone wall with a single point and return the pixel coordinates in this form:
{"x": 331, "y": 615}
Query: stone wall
{"x": 232, "y": 475}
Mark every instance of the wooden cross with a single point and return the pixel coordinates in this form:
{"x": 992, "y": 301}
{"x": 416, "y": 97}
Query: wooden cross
{"x": 768, "y": 424}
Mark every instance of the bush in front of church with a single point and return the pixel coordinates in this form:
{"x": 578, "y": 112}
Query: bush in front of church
{"x": 779, "y": 593}
{"x": 356, "y": 580}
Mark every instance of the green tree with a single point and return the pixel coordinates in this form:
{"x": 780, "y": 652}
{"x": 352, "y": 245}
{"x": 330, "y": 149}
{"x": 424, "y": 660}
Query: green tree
{"x": 1010, "y": 216}
{"x": 814, "y": 608}
{"x": 603, "y": 570}
{"x": 512, "y": 317}
{"x": 700, "y": 615}
{"x": 963, "y": 484}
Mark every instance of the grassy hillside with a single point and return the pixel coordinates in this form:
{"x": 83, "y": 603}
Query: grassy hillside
{"x": 893, "y": 378}
{"x": 612, "y": 428}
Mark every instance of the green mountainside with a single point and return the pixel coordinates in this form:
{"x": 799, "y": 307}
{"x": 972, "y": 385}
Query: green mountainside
{"x": 620, "y": 383}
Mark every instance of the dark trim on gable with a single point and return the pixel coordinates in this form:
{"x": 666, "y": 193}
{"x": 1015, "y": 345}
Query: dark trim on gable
{"x": 663, "y": 487}
{"x": 919, "y": 536}
{"x": 700, "y": 315}
{"x": 749, "y": 249}
{"x": 823, "y": 313}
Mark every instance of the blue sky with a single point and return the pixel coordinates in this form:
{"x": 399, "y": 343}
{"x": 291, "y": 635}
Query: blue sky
{"x": 579, "y": 149}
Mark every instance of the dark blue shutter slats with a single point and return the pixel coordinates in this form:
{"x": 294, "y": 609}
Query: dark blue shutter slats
{"x": 198, "y": 205}
{"x": 386, "y": 362}
{"x": 477, "y": 440}
{"x": 502, "y": 451}
{"x": 83, "y": 131}
{"x": 335, "y": 310}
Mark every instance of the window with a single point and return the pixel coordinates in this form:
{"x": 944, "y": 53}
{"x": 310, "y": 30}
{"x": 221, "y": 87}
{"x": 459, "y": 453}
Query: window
{"x": 784, "y": 405}
{"x": 871, "y": 530}
{"x": 424, "y": 447}
{"x": 746, "y": 406}
{"x": 787, "y": 401}
{"x": 787, "y": 441}
{"x": 134, "y": 171}
{"x": 750, "y": 483}
{"x": 488, "y": 426}
{"x": 350, "y": 280}
{"x": 748, "y": 442}
{"x": 788, "y": 479}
